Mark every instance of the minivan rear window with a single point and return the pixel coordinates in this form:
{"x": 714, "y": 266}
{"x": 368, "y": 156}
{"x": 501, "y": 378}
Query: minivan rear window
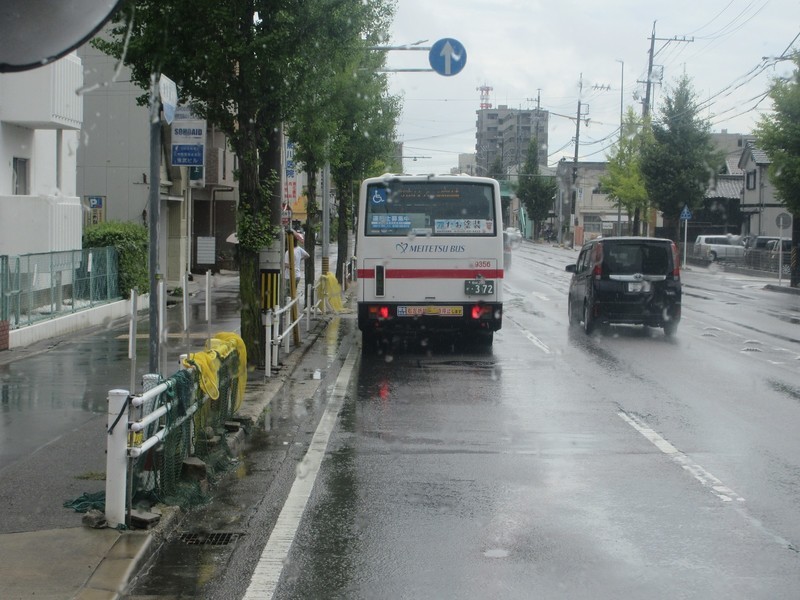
{"x": 627, "y": 259}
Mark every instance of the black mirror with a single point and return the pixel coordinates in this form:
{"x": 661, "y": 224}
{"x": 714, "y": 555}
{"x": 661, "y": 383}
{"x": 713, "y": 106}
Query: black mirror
{"x": 571, "y": 268}
{"x": 36, "y": 32}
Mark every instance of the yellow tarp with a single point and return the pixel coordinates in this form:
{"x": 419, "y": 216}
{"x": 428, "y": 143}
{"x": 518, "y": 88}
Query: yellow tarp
{"x": 332, "y": 291}
{"x": 207, "y": 364}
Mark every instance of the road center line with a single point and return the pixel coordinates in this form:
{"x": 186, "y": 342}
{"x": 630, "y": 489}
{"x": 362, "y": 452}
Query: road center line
{"x": 267, "y": 573}
{"x": 716, "y": 486}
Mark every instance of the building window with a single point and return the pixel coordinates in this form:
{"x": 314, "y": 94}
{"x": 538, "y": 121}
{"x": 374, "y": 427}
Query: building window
{"x": 592, "y": 224}
{"x": 751, "y": 180}
{"x": 19, "y": 179}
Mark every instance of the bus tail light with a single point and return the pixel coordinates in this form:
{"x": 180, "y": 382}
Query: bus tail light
{"x": 481, "y": 311}
{"x": 378, "y": 312}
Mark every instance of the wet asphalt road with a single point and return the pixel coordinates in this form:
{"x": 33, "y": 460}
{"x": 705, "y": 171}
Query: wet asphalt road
{"x": 625, "y": 465}
{"x": 554, "y": 465}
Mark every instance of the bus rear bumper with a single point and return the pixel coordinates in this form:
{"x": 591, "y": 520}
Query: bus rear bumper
{"x": 414, "y": 318}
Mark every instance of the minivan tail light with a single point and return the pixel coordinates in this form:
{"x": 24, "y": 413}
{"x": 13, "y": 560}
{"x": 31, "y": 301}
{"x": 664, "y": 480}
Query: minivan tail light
{"x": 597, "y": 259}
{"x": 676, "y": 262}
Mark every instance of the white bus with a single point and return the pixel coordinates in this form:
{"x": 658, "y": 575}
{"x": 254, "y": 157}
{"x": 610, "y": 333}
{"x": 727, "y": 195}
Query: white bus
{"x": 430, "y": 257}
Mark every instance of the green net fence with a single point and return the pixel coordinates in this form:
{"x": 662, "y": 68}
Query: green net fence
{"x": 200, "y": 401}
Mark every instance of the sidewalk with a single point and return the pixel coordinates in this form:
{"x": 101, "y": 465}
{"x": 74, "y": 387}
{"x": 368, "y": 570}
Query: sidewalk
{"x": 49, "y": 554}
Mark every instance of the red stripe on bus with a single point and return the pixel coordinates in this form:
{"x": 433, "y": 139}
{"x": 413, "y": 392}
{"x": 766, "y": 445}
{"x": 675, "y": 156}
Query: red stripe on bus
{"x": 433, "y": 273}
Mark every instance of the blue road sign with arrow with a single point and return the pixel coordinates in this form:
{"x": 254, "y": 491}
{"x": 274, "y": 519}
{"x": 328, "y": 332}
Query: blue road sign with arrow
{"x": 447, "y": 57}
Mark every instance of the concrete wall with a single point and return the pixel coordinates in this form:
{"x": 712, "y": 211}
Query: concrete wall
{"x": 78, "y": 321}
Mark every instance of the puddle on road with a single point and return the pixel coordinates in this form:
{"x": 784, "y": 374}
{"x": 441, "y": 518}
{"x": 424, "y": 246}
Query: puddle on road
{"x": 496, "y": 553}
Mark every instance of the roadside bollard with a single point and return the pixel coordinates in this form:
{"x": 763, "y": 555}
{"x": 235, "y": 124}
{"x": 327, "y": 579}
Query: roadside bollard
{"x": 116, "y": 457}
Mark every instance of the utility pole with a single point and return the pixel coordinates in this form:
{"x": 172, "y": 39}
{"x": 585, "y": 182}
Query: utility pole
{"x": 652, "y": 53}
{"x": 648, "y": 95}
{"x": 574, "y": 200}
{"x": 621, "y": 123}
{"x": 646, "y": 105}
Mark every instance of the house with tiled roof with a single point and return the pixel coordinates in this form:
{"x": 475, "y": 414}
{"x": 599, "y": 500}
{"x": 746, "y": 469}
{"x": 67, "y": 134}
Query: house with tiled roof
{"x": 760, "y": 205}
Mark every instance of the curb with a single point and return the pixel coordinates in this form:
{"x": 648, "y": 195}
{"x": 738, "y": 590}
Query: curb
{"x": 782, "y": 288}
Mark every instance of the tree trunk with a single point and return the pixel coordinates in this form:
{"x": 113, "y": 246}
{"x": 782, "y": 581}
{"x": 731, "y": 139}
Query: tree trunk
{"x": 345, "y": 202}
{"x": 312, "y": 218}
{"x": 250, "y": 204}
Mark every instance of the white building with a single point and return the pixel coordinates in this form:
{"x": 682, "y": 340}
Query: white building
{"x": 113, "y": 174}
{"x": 41, "y": 115}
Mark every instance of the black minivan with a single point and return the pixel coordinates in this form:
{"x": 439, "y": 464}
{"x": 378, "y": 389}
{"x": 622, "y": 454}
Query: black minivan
{"x": 632, "y": 280}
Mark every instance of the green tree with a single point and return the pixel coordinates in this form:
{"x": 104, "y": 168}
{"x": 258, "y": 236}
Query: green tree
{"x": 496, "y": 169}
{"x": 244, "y": 65}
{"x": 363, "y": 145}
{"x": 778, "y": 134}
{"x": 339, "y": 36}
{"x": 679, "y": 161}
{"x": 624, "y": 182}
{"x": 535, "y": 191}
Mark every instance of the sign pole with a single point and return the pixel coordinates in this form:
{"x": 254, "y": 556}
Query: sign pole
{"x": 686, "y": 214}
{"x": 154, "y": 202}
{"x": 685, "y": 240}
{"x": 162, "y": 96}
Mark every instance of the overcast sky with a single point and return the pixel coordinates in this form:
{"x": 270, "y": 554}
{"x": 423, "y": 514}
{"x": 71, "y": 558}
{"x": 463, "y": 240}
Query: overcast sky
{"x": 525, "y": 48}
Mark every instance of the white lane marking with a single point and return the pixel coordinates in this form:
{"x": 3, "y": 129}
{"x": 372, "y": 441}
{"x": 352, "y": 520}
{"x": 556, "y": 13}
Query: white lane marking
{"x": 267, "y": 573}
{"x": 536, "y": 341}
{"x": 716, "y": 486}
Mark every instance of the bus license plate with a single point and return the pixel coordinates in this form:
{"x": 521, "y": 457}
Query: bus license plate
{"x": 479, "y": 287}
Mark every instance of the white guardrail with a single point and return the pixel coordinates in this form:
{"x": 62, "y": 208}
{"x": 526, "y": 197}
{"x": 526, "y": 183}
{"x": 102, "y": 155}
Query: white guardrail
{"x": 278, "y": 323}
{"x": 279, "y": 326}
{"x": 133, "y": 414}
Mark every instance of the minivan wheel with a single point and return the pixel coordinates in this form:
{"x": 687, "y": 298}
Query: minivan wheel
{"x": 670, "y": 328}
{"x": 588, "y": 321}
{"x": 571, "y": 313}
{"x": 712, "y": 255}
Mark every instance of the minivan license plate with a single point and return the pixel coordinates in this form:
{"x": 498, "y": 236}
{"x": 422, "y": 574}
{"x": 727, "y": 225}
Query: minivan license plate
{"x": 638, "y": 286}
{"x": 479, "y": 287}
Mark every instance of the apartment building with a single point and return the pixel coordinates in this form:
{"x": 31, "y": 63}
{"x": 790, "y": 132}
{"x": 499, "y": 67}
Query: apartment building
{"x": 197, "y": 205}
{"x": 40, "y": 119}
{"x": 506, "y": 133}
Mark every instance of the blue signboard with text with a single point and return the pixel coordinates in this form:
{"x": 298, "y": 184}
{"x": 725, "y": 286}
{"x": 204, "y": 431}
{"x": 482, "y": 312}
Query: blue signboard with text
{"x": 187, "y": 155}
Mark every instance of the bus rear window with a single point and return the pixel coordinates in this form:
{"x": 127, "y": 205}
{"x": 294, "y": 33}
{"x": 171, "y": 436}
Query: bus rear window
{"x": 400, "y": 208}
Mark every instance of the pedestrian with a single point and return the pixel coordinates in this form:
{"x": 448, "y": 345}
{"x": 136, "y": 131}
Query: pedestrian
{"x": 300, "y": 255}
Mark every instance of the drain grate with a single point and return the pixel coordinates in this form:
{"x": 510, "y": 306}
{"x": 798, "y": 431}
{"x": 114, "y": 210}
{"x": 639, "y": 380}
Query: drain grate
{"x": 209, "y": 538}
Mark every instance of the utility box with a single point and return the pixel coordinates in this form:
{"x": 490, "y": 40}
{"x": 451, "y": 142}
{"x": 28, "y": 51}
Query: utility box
{"x": 270, "y": 262}
{"x": 270, "y": 258}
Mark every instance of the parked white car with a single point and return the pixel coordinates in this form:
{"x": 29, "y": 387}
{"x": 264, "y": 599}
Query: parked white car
{"x": 718, "y": 247}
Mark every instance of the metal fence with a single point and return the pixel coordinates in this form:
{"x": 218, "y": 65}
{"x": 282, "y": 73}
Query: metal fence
{"x": 38, "y": 287}
{"x": 153, "y": 436}
{"x": 762, "y": 261}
